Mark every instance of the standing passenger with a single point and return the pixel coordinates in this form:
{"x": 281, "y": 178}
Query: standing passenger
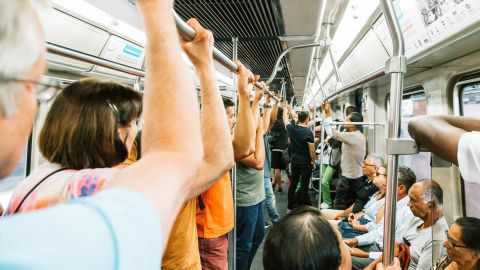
{"x": 183, "y": 250}
{"x": 143, "y": 196}
{"x": 278, "y": 144}
{"x": 353, "y": 153}
{"x": 214, "y": 210}
{"x": 250, "y": 195}
{"x": 269, "y": 201}
{"x": 303, "y": 158}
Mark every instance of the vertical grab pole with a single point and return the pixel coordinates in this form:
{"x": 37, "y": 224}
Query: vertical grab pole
{"x": 234, "y": 170}
{"x": 322, "y": 143}
{"x": 396, "y": 67}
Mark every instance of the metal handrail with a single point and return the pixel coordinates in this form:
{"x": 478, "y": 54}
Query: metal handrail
{"x": 396, "y": 67}
{"x": 188, "y": 34}
{"x": 279, "y": 59}
{"x": 92, "y": 59}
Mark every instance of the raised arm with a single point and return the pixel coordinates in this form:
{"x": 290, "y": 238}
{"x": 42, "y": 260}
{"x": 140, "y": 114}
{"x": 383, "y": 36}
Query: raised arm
{"x": 285, "y": 114}
{"x": 440, "y": 133}
{"x": 172, "y": 151}
{"x": 217, "y": 141}
{"x": 257, "y": 159}
{"x": 274, "y": 114}
{"x": 256, "y": 102}
{"x": 267, "y": 111}
{"x": 244, "y": 135}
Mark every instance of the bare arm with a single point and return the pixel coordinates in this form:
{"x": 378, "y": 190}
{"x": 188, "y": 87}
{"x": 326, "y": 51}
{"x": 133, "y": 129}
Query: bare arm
{"x": 266, "y": 115}
{"x": 166, "y": 151}
{"x": 217, "y": 141}
{"x": 257, "y": 159}
{"x": 244, "y": 135}
{"x": 285, "y": 115}
{"x": 440, "y": 133}
{"x": 273, "y": 115}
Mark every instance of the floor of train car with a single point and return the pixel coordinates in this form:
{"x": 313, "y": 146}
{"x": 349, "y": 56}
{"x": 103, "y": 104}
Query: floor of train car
{"x": 281, "y": 203}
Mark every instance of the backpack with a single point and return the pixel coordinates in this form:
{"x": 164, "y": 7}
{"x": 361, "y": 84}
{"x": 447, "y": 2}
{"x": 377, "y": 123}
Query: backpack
{"x": 335, "y": 158}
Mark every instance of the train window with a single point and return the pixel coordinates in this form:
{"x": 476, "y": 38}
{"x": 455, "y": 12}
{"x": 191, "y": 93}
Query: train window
{"x": 470, "y": 106}
{"x": 470, "y": 96}
{"x": 414, "y": 104}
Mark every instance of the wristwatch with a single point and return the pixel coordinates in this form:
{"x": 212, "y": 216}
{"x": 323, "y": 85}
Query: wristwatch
{"x": 267, "y": 106}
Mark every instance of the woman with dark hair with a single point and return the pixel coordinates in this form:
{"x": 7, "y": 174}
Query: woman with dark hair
{"x": 304, "y": 240}
{"x": 462, "y": 245}
{"x": 88, "y": 133}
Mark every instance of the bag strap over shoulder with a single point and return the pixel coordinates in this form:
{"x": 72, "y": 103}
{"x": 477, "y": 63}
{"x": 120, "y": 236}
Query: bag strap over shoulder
{"x": 34, "y": 187}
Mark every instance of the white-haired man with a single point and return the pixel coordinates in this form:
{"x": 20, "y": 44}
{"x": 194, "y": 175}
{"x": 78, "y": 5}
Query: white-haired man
{"x": 127, "y": 225}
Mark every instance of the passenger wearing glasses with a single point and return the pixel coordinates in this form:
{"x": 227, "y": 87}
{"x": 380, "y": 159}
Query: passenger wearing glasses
{"x": 462, "y": 245}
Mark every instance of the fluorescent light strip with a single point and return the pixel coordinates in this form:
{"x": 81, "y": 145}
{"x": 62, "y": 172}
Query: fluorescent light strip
{"x": 98, "y": 16}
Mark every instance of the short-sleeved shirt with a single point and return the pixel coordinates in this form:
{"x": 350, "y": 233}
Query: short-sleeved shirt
{"x": 250, "y": 187}
{"x": 469, "y": 163}
{"x": 118, "y": 228}
{"x": 425, "y": 244}
{"x": 353, "y": 152}
{"x": 182, "y": 248}
{"x": 59, "y": 187}
{"x": 216, "y": 219}
{"x": 300, "y": 137}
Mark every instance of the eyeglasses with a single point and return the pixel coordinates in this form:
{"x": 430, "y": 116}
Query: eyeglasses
{"x": 366, "y": 164}
{"x": 378, "y": 174}
{"x": 46, "y": 88}
{"x": 452, "y": 244}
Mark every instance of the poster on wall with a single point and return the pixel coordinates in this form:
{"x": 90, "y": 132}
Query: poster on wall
{"x": 442, "y": 16}
{"x": 413, "y": 28}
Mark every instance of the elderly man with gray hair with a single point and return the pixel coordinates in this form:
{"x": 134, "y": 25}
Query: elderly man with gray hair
{"x": 426, "y": 232}
{"x": 363, "y": 193}
{"x": 126, "y": 225}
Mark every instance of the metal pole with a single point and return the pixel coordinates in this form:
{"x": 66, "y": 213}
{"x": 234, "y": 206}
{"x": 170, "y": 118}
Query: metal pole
{"x": 322, "y": 142}
{"x": 92, "y": 59}
{"x": 234, "y": 170}
{"x": 279, "y": 59}
{"x": 396, "y": 66}
{"x": 335, "y": 65}
{"x": 188, "y": 34}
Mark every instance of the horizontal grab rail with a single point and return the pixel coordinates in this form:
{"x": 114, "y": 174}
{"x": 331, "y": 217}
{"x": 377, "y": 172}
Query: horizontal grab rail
{"x": 188, "y": 33}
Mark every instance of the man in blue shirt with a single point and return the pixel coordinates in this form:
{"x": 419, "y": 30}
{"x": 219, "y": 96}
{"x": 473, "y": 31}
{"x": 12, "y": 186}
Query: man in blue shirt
{"x": 126, "y": 225}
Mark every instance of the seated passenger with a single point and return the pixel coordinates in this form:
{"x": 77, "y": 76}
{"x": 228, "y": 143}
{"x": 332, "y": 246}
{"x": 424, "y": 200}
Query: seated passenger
{"x": 462, "y": 245}
{"x": 353, "y": 154}
{"x": 82, "y": 155}
{"x": 303, "y": 239}
{"x": 373, "y": 240}
{"x": 426, "y": 232}
{"x": 364, "y": 192}
{"x": 453, "y": 138}
{"x": 367, "y": 220}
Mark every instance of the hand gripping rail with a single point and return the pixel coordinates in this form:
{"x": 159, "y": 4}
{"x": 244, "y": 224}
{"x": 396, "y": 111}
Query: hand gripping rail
{"x": 188, "y": 33}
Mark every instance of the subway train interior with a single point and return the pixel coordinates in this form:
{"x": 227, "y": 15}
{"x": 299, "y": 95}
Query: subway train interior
{"x": 392, "y": 59}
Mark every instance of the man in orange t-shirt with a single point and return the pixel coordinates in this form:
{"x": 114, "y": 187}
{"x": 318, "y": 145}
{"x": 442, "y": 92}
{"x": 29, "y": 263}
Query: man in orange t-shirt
{"x": 215, "y": 205}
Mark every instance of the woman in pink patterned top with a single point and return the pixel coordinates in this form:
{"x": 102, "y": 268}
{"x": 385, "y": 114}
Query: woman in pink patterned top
{"x": 88, "y": 133}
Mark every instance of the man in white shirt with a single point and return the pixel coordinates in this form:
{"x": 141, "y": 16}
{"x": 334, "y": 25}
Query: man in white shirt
{"x": 455, "y": 139}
